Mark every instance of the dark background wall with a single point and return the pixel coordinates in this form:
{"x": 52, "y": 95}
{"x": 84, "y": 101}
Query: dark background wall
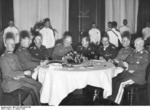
{"x": 0, "y": 15}
{"x": 6, "y": 12}
{"x": 143, "y": 14}
{"x": 82, "y": 13}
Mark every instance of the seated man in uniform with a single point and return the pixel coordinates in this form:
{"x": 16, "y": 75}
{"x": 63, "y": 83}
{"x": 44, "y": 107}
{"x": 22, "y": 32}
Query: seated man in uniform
{"x": 135, "y": 64}
{"x": 38, "y": 50}
{"x": 62, "y": 49}
{"x": 125, "y": 51}
{"x": 86, "y": 49}
{"x": 13, "y": 75}
{"x": 25, "y": 58}
{"x": 107, "y": 50}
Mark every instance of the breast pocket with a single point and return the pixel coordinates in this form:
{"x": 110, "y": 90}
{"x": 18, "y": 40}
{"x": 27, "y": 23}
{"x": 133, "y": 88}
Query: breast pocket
{"x": 12, "y": 64}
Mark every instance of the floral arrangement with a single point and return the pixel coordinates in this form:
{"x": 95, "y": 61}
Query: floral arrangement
{"x": 73, "y": 58}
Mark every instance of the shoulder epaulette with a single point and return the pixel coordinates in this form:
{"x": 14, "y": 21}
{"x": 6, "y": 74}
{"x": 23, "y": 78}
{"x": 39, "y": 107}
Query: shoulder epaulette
{"x": 113, "y": 47}
{"x": 146, "y": 51}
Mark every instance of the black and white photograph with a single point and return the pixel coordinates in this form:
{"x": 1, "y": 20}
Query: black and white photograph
{"x": 74, "y": 54}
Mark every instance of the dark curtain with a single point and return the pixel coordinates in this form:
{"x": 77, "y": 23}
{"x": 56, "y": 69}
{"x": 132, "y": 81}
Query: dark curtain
{"x": 73, "y": 19}
{"x": 143, "y": 14}
{"x": 101, "y": 15}
{"x": 0, "y": 15}
{"x": 82, "y": 13}
{"x": 6, "y": 12}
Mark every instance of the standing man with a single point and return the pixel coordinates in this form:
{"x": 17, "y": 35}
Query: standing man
{"x": 109, "y": 26}
{"x": 95, "y": 34}
{"x": 114, "y": 35}
{"x": 125, "y": 27}
{"x": 48, "y": 36}
{"x": 13, "y": 29}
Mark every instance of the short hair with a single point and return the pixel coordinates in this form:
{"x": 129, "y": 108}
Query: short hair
{"x": 109, "y": 22}
{"x": 93, "y": 22}
{"x": 139, "y": 38}
{"x": 46, "y": 20}
{"x": 24, "y": 34}
{"x": 67, "y": 33}
{"x": 125, "y": 20}
{"x": 11, "y": 20}
{"x": 37, "y": 34}
{"x": 114, "y": 24}
{"x": 9, "y": 35}
{"x": 105, "y": 36}
{"x": 86, "y": 38}
{"x": 126, "y": 34}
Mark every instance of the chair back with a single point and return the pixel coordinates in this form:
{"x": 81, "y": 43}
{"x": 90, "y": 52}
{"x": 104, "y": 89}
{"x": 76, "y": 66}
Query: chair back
{"x": 147, "y": 72}
{"x": 1, "y": 90}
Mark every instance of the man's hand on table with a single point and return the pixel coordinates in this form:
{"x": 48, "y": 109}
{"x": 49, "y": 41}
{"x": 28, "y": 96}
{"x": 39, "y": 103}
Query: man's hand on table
{"x": 44, "y": 63}
{"x": 116, "y": 61}
{"x": 110, "y": 60}
{"x": 102, "y": 59}
{"x": 28, "y": 73}
{"x": 126, "y": 65}
{"x": 131, "y": 71}
{"x": 19, "y": 77}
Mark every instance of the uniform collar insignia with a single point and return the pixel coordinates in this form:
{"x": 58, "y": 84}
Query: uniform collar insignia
{"x": 8, "y": 52}
{"x": 106, "y": 46}
{"x": 141, "y": 52}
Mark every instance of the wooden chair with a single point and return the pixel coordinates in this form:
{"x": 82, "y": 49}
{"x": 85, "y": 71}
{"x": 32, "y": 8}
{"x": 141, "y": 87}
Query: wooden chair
{"x": 135, "y": 94}
{"x": 15, "y": 97}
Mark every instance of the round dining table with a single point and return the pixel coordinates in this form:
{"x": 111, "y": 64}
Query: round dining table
{"x": 58, "y": 81}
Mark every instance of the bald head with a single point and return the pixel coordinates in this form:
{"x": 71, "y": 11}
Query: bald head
{"x": 139, "y": 44}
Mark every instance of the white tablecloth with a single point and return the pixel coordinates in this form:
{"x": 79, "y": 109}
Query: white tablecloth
{"x": 58, "y": 83}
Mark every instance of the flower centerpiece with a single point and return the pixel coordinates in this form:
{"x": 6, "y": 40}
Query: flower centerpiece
{"x": 73, "y": 58}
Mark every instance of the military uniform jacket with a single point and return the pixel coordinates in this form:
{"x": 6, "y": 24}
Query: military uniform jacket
{"x": 25, "y": 58}
{"x": 109, "y": 53}
{"x": 60, "y": 51}
{"x": 10, "y": 68}
{"x": 89, "y": 52}
{"x": 39, "y": 53}
{"x": 124, "y": 53}
{"x": 138, "y": 61}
